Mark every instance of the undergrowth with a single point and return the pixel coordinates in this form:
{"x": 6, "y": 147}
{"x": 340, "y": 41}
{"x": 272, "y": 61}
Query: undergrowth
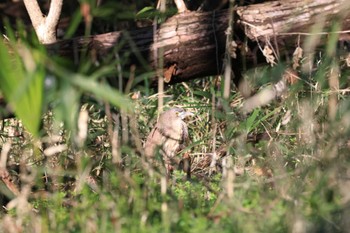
{"x": 282, "y": 167}
{"x": 290, "y": 177}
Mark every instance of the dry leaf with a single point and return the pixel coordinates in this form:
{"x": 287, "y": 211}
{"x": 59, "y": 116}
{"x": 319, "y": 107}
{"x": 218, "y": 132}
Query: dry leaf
{"x": 5, "y": 177}
{"x": 85, "y": 10}
{"x": 169, "y": 72}
{"x": 297, "y": 55}
{"x": 347, "y": 60}
{"x": 136, "y": 95}
{"x": 290, "y": 76}
{"x": 267, "y": 52}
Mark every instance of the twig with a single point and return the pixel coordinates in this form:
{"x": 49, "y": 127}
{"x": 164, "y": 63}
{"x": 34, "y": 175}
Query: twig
{"x": 4, "y": 174}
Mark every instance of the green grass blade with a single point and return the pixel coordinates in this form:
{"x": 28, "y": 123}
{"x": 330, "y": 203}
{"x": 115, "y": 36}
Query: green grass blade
{"x": 22, "y": 85}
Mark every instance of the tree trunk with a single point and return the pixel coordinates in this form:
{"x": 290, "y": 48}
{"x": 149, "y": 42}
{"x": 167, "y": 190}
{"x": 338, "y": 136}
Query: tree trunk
{"x": 193, "y": 43}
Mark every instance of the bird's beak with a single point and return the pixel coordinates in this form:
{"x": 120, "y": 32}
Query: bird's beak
{"x": 184, "y": 114}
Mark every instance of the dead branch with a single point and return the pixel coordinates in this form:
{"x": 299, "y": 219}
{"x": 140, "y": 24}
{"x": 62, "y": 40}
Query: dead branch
{"x": 6, "y": 178}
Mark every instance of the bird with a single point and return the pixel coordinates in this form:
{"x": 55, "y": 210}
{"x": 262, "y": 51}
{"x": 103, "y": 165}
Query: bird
{"x": 168, "y": 136}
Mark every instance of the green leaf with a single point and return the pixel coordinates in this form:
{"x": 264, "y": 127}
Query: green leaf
{"x": 103, "y": 91}
{"x": 203, "y": 93}
{"x": 93, "y": 86}
{"x": 21, "y": 78}
{"x": 250, "y": 123}
{"x": 144, "y": 11}
{"x": 74, "y": 24}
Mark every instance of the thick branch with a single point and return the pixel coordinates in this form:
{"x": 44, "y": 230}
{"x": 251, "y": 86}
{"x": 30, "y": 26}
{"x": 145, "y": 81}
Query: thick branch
{"x": 34, "y": 12}
{"x": 45, "y": 27}
{"x": 181, "y": 7}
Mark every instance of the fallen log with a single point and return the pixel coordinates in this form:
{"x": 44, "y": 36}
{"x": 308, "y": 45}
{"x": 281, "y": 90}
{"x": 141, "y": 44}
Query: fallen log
{"x": 193, "y": 43}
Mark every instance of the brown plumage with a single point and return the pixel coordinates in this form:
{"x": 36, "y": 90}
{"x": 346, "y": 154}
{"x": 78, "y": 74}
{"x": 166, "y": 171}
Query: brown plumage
{"x": 169, "y": 135}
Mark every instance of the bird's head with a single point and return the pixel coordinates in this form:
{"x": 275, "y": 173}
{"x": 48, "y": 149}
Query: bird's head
{"x": 172, "y": 119}
{"x": 176, "y": 113}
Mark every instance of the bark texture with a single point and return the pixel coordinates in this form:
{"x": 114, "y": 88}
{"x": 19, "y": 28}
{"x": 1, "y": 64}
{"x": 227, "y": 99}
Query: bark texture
{"x": 287, "y": 17}
{"x": 193, "y": 43}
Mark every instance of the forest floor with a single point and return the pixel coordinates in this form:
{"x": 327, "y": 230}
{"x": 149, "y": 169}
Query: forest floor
{"x": 283, "y": 167}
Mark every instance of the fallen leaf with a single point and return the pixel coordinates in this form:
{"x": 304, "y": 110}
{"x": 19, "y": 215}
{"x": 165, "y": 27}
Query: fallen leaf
{"x": 169, "y": 72}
